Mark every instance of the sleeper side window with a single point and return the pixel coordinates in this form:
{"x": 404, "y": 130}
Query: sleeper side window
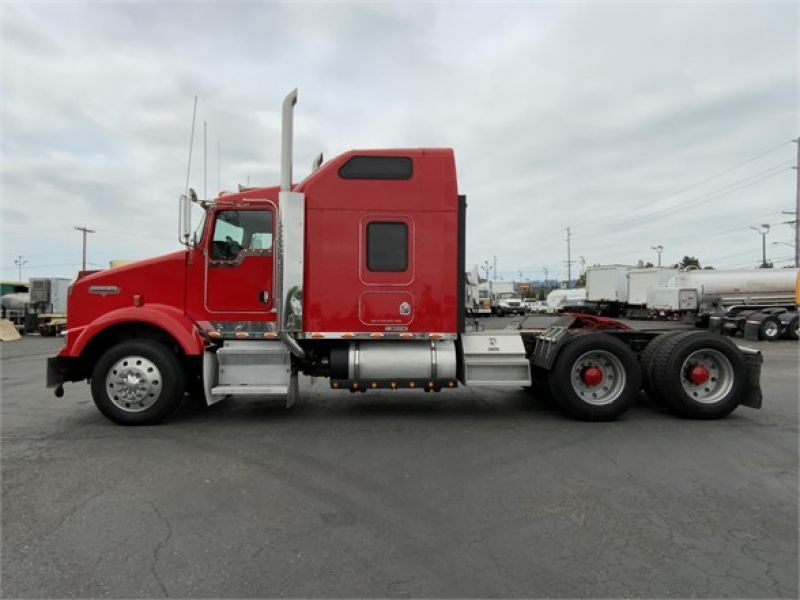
{"x": 241, "y": 230}
{"x": 387, "y": 246}
{"x": 377, "y": 167}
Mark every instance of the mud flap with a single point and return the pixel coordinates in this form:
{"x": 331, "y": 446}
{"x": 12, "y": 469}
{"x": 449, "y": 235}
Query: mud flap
{"x": 293, "y": 393}
{"x": 751, "y": 393}
{"x": 210, "y": 375}
{"x": 715, "y": 325}
{"x": 751, "y": 330}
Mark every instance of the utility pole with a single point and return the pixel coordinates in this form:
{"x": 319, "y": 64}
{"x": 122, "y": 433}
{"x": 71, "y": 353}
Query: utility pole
{"x": 763, "y": 230}
{"x": 84, "y": 230}
{"x": 797, "y": 209}
{"x": 495, "y": 267}
{"x": 19, "y": 261}
{"x": 658, "y": 249}
{"x": 486, "y": 269}
{"x": 569, "y": 258}
{"x": 545, "y": 276}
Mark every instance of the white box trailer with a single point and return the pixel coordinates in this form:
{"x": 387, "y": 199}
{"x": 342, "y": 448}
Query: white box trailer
{"x": 49, "y": 294}
{"x": 672, "y": 299}
{"x": 607, "y": 283}
{"x": 641, "y": 281}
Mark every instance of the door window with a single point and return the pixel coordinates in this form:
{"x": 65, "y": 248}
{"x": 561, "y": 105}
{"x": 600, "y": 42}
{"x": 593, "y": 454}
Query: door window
{"x": 239, "y": 231}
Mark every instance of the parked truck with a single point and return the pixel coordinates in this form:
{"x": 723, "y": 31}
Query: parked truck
{"x": 697, "y": 295}
{"x": 355, "y": 274}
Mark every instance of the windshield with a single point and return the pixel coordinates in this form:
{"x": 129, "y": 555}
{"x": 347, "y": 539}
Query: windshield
{"x": 508, "y": 296}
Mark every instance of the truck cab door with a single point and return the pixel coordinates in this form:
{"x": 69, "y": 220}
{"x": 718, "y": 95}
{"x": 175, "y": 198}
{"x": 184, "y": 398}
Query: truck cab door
{"x": 239, "y": 263}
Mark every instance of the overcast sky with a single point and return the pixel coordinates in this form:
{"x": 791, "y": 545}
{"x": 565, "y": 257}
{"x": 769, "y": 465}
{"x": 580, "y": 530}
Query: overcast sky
{"x": 593, "y": 116}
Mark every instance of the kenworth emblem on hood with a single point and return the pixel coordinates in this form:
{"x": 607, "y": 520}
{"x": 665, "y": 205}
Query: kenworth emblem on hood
{"x": 103, "y": 290}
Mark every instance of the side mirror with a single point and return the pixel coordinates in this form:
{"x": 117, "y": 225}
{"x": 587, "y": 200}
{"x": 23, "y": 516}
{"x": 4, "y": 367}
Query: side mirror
{"x": 185, "y": 217}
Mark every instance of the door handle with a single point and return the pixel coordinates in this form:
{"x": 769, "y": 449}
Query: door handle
{"x": 264, "y": 296}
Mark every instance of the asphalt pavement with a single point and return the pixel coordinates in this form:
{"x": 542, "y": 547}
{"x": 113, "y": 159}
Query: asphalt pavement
{"x": 466, "y": 493}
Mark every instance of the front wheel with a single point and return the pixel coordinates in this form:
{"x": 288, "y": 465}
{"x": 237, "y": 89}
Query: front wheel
{"x": 595, "y": 377}
{"x": 137, "y": 382}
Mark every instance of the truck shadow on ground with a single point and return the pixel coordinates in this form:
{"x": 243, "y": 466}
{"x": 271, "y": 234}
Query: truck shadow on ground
{"x": 495, "y": 406}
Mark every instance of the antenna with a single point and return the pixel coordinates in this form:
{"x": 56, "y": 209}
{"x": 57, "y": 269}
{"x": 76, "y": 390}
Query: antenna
{"x": 191, "y": 144}
{"x": 205, "y": 160}
{"x": 219, "y": 168}
{"x": 185, "y": 209}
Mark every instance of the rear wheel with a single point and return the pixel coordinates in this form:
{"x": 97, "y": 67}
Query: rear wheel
{"x": 596, "y": 377}
{"x": 646, "y": 361}
{"x": 699, "y": 375}
{"x": 137, "y": 382}
{"x": 793, "y": 329}
{"x": 770, "y": 329}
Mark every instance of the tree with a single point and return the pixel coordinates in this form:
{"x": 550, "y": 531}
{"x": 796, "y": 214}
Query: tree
{"x": 581, "y": 282}
{"x": 689, "y": 261}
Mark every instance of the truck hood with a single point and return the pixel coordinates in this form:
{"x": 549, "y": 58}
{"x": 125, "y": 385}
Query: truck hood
{"x": 159, "y": 280}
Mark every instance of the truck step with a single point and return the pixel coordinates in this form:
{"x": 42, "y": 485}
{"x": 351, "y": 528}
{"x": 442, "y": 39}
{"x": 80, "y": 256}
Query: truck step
{"x": 495, "y": 358}
{"x": 250, "y": 390}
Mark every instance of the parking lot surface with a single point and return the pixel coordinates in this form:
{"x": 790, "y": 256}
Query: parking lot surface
{"x": 467, "y": 493}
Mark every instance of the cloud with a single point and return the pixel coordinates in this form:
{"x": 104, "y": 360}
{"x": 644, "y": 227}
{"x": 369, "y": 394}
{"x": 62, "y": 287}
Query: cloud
{"x": 579, "y": 115}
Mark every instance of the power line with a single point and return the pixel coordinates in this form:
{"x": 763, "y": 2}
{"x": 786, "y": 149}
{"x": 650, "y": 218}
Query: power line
{"x": 720, "y": 174}
{"x": 702, "y": 181}
{"x": 702, "y": 199}
{"x": 42, "y": 266}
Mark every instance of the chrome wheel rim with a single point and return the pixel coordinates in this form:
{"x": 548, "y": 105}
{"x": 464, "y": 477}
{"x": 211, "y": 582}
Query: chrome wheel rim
{"x": 613, "y": 377}
{"x": 720, "y": 379}
{"x": 133, "y": 383}
{"x": 771, "y": 329}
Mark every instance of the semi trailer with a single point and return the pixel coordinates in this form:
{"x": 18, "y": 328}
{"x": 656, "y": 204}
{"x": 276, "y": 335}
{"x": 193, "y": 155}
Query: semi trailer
{"x": 768, "y": 323}
{"x": 356, "y": 274}
{"x": 696, "y": 295}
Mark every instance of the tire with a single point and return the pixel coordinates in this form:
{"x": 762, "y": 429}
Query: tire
{"x": 725, "y": 372}
{"x": 769, "y": 329}
{"x": 792, "y": 332}
{"x": 646, "y": 361}
{"x": 153, "y": 387}
{"x": 620, "y": 382}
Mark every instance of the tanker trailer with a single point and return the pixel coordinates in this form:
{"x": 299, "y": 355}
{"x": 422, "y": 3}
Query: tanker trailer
{"x": 718, "y": 291}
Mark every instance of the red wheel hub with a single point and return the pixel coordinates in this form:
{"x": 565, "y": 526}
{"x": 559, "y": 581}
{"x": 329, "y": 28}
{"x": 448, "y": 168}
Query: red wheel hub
{"x": 592, "y": 376}
{"x": 698, "y": 374}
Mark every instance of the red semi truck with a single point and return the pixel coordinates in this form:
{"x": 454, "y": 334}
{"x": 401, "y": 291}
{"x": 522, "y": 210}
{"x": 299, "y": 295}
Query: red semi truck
{"x": 355, "y": 274}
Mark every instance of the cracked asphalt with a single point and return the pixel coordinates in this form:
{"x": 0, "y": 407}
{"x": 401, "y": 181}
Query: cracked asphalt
{"x": 468, "y": 493}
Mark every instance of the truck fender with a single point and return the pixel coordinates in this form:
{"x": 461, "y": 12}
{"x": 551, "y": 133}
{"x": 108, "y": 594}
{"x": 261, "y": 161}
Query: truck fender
{"x": 168, "y": 318}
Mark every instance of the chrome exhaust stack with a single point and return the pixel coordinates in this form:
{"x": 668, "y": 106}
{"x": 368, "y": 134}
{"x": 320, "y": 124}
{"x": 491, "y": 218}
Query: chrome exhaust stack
{"x": 289, "y": 246}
